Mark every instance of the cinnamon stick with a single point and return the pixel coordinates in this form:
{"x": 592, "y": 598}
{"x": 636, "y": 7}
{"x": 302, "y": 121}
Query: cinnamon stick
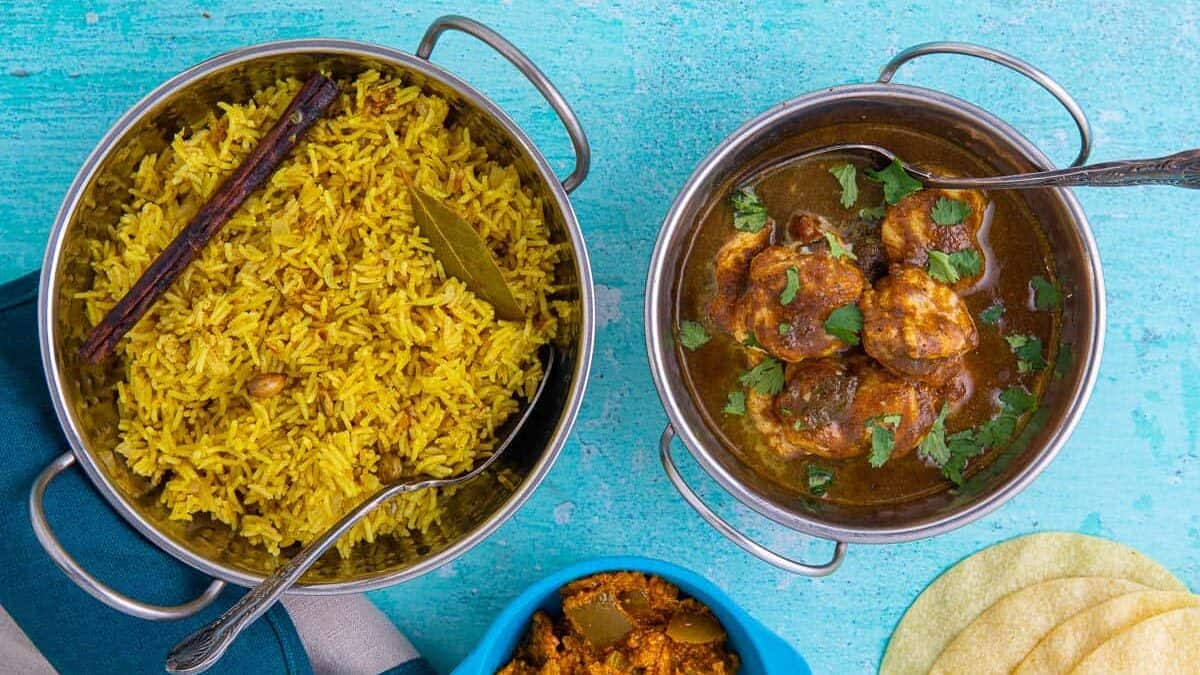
{"x": 310, "y": 103}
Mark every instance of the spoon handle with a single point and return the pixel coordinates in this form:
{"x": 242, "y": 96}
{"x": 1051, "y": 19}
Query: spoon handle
{"x": 200, "y": 650}
{"x": 1180, "y": 170}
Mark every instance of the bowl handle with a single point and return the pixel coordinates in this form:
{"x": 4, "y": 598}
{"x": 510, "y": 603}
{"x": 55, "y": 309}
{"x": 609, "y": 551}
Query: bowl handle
{"x": 583, "y": 151}
{"x": 118, "y": 601}
{"x": 733, "y": 534}
{"x": 988, "y": 54}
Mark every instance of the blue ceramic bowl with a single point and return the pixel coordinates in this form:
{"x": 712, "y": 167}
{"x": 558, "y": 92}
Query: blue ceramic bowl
{"x": 761, "y": 651}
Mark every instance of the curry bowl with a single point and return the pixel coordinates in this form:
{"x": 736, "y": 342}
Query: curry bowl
{"x": 761, "y": 651}
{"x": 820, "y": 119}
{"x": 91, "y": 206}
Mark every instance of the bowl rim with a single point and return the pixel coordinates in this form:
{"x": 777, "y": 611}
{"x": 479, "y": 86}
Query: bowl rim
{"x": 769, "y": 651}
{"x": 48, "y": 288}
{"x": 658, "y": 335}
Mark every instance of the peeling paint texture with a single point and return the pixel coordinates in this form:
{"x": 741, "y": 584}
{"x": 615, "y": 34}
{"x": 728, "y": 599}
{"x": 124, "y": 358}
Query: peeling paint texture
{"x": 656, "y": 87}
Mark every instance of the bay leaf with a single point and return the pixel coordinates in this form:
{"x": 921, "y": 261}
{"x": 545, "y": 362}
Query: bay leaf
{"x": 463, "y": 253}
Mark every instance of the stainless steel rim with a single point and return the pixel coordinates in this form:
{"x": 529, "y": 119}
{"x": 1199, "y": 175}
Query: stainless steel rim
{"x": 1011, "y": 62}
{"x": 47, "y": 290}
{"x": 733, "y": 534}
{"x": 658, "y": 341}
{"x": 583, "y": 152}
{"x": 82, "y": 578}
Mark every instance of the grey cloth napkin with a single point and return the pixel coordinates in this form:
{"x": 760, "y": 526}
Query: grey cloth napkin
{"x": 17, "y": 653}
{"x": 347, "y": 635}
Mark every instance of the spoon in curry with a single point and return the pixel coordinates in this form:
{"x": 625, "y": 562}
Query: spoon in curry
{"x": 1179, "y": 170}
{"x": 202, "y": 649}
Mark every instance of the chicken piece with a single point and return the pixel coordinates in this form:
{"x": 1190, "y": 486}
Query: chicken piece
{"x": 881, "y": 394}
{"x": 811, "y": 415}
{"x": 805, "y": 227}
{"x": 731, "y": 269}
{"x": 869, "y": 252}
{"x": 827, "y": 406}
{"x": 816, "y": 394}
{"x": 795, "y": 330}
{"x": 909, "y": 232}
{"x": 917, "y": 327}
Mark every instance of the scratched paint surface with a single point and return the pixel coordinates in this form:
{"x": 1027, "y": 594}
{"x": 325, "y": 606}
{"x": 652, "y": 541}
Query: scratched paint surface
{"x": 656, "y": 87}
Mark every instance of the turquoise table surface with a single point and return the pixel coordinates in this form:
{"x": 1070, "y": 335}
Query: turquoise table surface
{"x": 657, "y": 86}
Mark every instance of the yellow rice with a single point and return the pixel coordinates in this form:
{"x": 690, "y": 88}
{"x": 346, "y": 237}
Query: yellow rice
{"x": 322, "y": 275}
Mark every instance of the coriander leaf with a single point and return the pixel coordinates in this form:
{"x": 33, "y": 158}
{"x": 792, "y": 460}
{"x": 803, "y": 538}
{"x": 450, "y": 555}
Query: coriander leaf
{"x": 1016, "y": 400}
{"x": 992, "y": 314}
{"x": 785, "y": 328}
{"x": 962, "y": 446}
{"x": 941, "y": 269}
{"x": 845, "y": 323}
{"x": 752, "y": 341}
{"x": 735, "y": 404}
{"x": 897, "y": 183}
{"x": 845, "y": 174}
{"x": 798, "y": 425}
{"x": 1046, "y": 295}
{"x": 967, "y": 262}
{"x": 953, "y": 469}
{"x": 819, "y": 479}
{"x": 749, "y": 214}
{"x": 965, "y": 442}
{"x": 765, "y": 378}
{"x": 872, "y": 214}
{"x": 933, "y": 446}
{"x": 791, "y": 288}
{"x": 883, "y": 439}
{"x": 996, "y": 431}
{"x": 948, "y": 268}
{"x": 1029, "y": 352}
{"x": 950, "y": 211}
{"x": 692, "y": 335}
{"x": 837, "y": 249}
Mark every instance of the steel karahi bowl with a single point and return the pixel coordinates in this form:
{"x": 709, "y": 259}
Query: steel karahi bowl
{"x": 773, "y": 134}
{"x": 91, "y": 204}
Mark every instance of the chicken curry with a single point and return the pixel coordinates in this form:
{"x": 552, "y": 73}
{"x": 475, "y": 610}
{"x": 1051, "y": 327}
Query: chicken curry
{"x": 858, "y": 338}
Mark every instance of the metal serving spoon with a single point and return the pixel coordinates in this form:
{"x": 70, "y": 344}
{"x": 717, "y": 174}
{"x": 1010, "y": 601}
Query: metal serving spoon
{"x": 1180, "y": 170}
{"x": 203, "y": 648}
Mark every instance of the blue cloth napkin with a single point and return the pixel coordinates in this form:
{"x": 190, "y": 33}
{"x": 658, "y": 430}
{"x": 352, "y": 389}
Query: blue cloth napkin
{"x": 74, "y": 632}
